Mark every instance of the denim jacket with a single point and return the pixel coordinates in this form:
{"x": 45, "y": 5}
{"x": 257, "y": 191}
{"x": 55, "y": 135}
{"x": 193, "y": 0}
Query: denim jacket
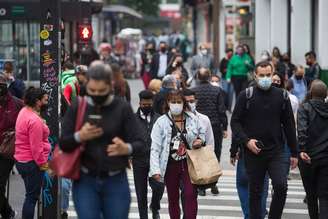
{"x": 161, "y": 138}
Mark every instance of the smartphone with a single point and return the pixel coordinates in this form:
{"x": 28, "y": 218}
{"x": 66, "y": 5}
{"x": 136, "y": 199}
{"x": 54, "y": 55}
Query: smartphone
{"x": 95, "y": 120}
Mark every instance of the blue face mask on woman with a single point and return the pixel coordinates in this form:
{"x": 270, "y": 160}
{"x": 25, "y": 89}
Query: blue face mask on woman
{"x": 264, "y": 83}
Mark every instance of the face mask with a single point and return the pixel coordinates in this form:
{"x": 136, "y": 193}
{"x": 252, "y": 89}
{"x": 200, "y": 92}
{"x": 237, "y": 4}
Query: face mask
{"x": 216, "y": 84}
{"x": 99, "y": 99}
{"x": 264, "y": 83}
{"x": 264, "y": 58}
{"x": 240, "y": 52}
{"x": 178, "y": 64}
{"x": 43, "y": 108}
{"x": 146, "y": 110}
{"x": 275, "y": 85}
{"x": 3, "y": 90}
{"x": 308, "y": 63}
{"x": 163, "y": 49}
{"x": 298, "y": 77}
{"x": 204, "y": 51}
{"x": 192, "y": 107}
{"x": 176, "y": 108}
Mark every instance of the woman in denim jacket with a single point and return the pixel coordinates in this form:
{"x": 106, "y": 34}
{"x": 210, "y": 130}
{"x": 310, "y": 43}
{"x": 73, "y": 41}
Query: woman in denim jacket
{"x": 168, "y": 153}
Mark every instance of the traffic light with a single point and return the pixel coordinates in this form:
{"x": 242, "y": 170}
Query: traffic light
{"x": 85, "y": 32}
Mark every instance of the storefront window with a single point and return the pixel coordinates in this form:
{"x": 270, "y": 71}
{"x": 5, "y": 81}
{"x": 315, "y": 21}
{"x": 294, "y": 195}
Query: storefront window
{"x": 19, "y": 43}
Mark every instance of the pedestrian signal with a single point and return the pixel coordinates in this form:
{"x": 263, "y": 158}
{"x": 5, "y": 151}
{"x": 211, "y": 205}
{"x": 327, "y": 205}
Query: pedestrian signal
{"x": 85, "y": 32}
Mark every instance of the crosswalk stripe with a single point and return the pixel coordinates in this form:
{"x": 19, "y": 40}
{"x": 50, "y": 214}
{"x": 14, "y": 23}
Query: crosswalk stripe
{"x": 234, "y": 190}
{"x": 227, "y": 208}
{"x": 163, "y": 216}
{"x": 224, "y": 206}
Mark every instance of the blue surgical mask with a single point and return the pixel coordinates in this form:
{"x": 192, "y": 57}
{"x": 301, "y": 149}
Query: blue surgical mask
{"x": 264, "y": 83}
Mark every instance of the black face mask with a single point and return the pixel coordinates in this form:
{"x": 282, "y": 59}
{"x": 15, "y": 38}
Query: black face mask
{"x": 275, "y": 85}
{"x": 99, "y": 99}
{"x": 179, "y": 64}
{"x": 44, "y": 108}
{"x": 298, "y": 77}
{"x": 146, "y": 110}
{"x": 3, "y": 90}
{"x": 163, "y": 49}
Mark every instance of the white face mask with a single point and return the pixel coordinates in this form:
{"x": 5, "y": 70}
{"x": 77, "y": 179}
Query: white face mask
{"x": 176, "y": 108}
{"x": 192, "y": 107}
{"x": 204, "y": 51}
{"x": 216, "y": 84}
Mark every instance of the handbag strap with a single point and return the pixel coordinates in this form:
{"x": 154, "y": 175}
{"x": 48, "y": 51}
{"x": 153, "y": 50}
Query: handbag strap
{"x": 82, "y": 105}
{"x": 183, "y": 138}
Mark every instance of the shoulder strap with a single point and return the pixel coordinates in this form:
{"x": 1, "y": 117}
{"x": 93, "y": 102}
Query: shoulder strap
{"x": 183, "y": 138}
{"x": 82, "y": 105}
{"x": 249, "y": 95}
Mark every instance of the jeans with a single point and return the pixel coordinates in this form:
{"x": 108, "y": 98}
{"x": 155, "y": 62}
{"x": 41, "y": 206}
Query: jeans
{"x": 6, "y": 166}
{"x": 242, "y": 189}
{"x": 32, "y": 176}
{"x": 176, "y": 173}
{"x": 66, "y": 186}
{"x": 140, "y": 174}
{"x": 239, "y": 84}
{"x": 102, "y": 198}
{"x": 315, "y": 181}
{"x": 257, "y": 166}
{"x": 228, "y": 88}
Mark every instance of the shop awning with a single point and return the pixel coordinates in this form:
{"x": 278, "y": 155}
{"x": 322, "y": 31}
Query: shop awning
{"x": 121, "y": 9}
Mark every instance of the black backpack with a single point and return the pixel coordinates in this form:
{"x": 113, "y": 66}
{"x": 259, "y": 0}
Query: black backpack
{"x": 250, "y": 92}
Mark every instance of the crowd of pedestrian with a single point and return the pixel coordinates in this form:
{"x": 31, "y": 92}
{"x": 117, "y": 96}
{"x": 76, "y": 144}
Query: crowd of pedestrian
{"x": 278, "y": 122}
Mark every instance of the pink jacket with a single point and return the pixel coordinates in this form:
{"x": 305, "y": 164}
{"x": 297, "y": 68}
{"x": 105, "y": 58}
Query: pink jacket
{"x": 31, "y": 138}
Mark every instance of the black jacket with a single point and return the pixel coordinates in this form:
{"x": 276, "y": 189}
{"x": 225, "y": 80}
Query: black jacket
{"x": 211, "y": 103}
{"x": 118, "y": 120}
{"x": 263, "y": 120}
{"x": 142, "y": 159}
{"x": 312, "y": 127}
{"x": 155, "y": 64}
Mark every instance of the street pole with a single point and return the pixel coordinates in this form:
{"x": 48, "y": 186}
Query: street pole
{"x": 216, "y": 31}
{"x": 50, "y": 66}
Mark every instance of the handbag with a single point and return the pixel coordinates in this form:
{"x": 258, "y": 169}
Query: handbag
{"x": 7, "y": 147}
{"x": 68, "y": 164}
{"x": 203, "y": 167}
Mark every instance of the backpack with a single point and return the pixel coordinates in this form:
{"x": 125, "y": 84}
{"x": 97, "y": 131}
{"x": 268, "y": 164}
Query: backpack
{"x": 67, "y": 78}
{"x": 250, "y": 92}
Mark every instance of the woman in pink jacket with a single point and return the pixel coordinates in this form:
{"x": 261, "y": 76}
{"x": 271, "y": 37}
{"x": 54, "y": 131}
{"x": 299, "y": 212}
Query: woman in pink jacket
{"x": 32, "y": 147}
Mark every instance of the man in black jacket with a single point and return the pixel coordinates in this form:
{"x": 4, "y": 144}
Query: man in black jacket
{"x": 211, "y": 103}
{"x": 160, "y": 62}
{"x": 312, "y": 127}
{"x": 146, "y": 118}
{"x": 258, "y": 123}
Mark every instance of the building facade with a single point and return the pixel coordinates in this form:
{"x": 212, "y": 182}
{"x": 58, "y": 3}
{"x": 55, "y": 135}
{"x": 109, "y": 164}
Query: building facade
{"x": 295, "y": 26}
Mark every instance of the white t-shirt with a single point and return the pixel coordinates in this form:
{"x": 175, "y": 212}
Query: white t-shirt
{"x": 205, "y": 122}
{"x": 294, "y": 101}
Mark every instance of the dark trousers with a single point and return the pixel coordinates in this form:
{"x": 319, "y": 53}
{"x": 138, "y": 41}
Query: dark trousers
{"x": 140, "y": 174}
{"x": 177, "y": 173}
{"x": 32, "y": 176}
{"x": 6, "y": 166}
{"x": 257, "y": 166}
{"x": 218, "y": 136}
{"x": 239, "y": 83}
{"x": 315, "y": 181}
